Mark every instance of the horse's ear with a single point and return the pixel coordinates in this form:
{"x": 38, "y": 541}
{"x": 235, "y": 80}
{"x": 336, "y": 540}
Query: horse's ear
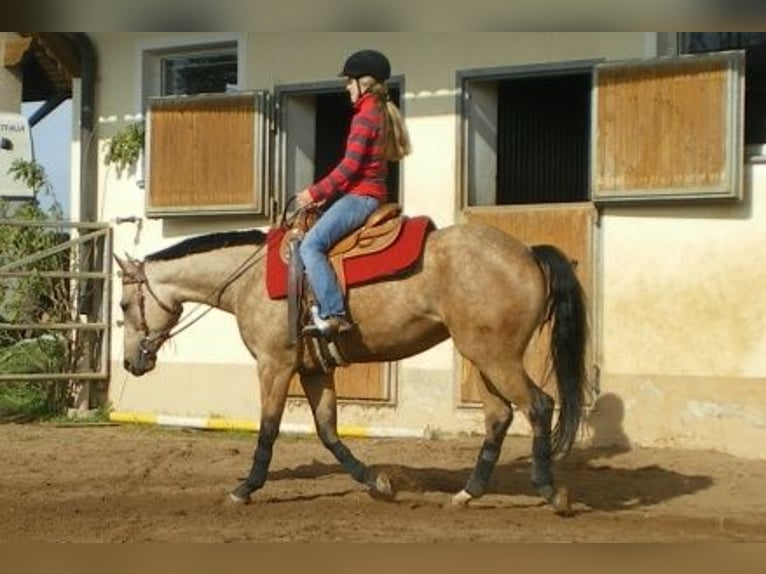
{"x": 126, "y": 266}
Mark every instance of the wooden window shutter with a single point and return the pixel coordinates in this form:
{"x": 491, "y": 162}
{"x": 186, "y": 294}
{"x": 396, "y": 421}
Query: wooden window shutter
{"x": 207, "y": 154}
{"x": 670, "y": 128}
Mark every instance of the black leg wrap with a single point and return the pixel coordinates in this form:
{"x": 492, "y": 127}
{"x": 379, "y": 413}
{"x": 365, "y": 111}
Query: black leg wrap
{"x": 348, "y": 461}
{"x": 260, "y": 469}
{"x": 542, "y": 477}
{"x": 541, "y": 414}
{"x": 261, "y": 459}
{"x": 485, "y": 465}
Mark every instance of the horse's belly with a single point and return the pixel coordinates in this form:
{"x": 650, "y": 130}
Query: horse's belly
{"x": 394, "y": 342}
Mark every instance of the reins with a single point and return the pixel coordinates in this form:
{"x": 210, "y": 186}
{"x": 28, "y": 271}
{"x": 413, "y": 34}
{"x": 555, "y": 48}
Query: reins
{"x": 151, "y": 343}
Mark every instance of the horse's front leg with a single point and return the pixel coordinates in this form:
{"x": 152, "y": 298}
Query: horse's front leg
{"x": 320, "y": 392}
{"x": 274, "y": 379}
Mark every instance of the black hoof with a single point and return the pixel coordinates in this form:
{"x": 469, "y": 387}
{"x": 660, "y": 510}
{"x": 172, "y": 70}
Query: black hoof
{"x": 546, "y": 491}
{"x": 561, "y": 504}
{"x": 556, "y": 497}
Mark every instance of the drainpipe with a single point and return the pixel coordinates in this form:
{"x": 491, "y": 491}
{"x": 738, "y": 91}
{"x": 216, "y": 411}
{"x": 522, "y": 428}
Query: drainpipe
{"x": 91, "y": 301}
{"x": 87, "y": 54}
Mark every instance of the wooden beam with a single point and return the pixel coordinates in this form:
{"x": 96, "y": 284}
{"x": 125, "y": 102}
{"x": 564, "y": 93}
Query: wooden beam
{"x": 15, "y": 49}
{"x": 61, "y": 51}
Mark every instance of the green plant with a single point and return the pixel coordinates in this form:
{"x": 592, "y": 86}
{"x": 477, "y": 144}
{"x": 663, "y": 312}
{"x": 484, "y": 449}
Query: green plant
{"x": 43, "y": 354}
{"x": 23, "y": 400}
{"x": 97, "y": 416}
{"x": 31, "y": 174}
{"x": 32, "y": 299}
{"x": 125, "y": 147}
{"x": 26, "y": 299}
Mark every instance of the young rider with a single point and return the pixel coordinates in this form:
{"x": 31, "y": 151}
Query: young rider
{"x": 355, "y": 187}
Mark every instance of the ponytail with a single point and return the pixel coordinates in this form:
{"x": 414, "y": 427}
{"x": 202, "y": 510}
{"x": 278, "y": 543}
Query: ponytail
{"x": 396, "y": 138}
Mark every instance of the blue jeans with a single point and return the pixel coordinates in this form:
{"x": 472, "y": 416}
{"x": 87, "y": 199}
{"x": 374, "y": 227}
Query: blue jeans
{"x": 346, "y": 214}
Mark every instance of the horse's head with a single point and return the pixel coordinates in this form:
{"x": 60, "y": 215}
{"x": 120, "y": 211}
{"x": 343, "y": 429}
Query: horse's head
{"x": 147, "y": 318}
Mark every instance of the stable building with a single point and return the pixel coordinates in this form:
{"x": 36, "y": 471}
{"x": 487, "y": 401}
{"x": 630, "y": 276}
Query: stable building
{"x": 640, "y": 154}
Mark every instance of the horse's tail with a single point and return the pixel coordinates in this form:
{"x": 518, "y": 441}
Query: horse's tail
{"x": 566, "y": 308}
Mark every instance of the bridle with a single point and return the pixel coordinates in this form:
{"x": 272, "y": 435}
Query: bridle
{"x": 151, "y": 342}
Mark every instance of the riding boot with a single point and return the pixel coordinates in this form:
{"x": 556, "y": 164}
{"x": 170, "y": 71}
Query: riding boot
{"x": 327, "y": 328}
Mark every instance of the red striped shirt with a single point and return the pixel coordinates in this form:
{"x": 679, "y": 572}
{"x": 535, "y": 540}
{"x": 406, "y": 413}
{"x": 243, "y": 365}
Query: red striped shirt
{"x": 363, "y": 169}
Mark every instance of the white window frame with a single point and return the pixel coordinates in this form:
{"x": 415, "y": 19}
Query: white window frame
{"x": 148, "y": 56}
{"x": 150, "y": 52}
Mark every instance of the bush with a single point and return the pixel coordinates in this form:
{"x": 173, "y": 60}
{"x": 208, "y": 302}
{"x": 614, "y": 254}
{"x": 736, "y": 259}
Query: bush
{"x": 32, "y": 300}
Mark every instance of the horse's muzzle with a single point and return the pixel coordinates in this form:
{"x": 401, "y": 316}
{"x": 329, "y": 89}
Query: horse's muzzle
{"x": 141, "y": 365}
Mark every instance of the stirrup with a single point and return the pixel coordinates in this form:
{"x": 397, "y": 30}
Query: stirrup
{"x": 327, "y": 328}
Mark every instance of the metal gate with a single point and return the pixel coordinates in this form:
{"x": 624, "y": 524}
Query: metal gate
{"x": 65, "y": 333}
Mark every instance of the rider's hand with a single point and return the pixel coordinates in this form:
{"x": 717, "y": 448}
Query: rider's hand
{"x": 303, "y": 198}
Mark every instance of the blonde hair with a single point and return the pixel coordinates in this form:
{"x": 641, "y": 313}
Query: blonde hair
{"x": 396, "y": 138}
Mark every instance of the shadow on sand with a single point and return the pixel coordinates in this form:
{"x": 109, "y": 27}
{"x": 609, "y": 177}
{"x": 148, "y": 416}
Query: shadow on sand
{"x": 598, "y": 479}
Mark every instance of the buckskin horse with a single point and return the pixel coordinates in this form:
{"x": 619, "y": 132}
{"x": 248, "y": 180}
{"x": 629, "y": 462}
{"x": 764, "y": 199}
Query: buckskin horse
{"x": 474, "y": 283}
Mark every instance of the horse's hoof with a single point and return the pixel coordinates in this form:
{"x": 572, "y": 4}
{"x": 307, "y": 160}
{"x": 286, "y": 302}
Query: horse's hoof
{"x": 546, "y": 491}
{"x": 560, "y": 502}
{"x": 461, "y": 500}
{"x": 381, "y": 488}
{"x": 240, "y": 495}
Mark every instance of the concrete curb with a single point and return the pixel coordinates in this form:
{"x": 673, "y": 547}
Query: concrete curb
{"x": 218, "y": 423}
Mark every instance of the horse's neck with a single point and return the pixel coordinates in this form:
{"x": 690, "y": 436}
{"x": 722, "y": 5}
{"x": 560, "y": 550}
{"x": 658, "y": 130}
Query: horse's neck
{"x": 213, "y": 278}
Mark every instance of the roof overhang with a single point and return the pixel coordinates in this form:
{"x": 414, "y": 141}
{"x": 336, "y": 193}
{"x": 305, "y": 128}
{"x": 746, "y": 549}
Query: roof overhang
{"x": 46, "y": 62}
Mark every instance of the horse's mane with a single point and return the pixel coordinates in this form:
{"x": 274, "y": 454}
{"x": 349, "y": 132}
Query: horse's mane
{"x": 210, "y": 242}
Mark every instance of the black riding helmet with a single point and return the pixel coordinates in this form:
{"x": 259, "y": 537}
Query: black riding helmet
{"x": 367, "y": 63}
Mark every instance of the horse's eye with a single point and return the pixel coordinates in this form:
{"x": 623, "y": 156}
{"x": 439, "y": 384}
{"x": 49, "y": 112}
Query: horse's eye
{"x": 124, "y": 306}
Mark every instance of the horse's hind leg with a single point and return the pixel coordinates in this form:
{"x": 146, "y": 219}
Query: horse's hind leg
{"x": 538, "y": 406}
{"x": 513, "y": 385}
{"x": 320, "y": 392}
{"x": 539, "y": 411}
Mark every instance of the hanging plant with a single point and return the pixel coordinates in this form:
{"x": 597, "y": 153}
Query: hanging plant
{"x": 125, "y": 147}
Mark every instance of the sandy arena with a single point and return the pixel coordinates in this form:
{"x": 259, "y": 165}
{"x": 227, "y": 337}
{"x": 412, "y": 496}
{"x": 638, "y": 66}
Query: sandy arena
{"x": 135, "y": 484}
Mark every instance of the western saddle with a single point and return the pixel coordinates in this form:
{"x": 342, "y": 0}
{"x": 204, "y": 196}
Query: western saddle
{"x": 379, "y": 231}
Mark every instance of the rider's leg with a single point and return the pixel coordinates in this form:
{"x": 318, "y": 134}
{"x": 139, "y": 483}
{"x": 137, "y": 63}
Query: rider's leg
{"x": 345, "y": 215}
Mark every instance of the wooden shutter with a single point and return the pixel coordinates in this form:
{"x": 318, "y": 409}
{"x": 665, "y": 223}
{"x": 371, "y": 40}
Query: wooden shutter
{"x": 358, "y": 382}
{"x": 668, "y": 128}
{"x": 207, "y": 154}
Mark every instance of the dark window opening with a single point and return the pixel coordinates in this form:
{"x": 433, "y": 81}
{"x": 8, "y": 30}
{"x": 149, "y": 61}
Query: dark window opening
{"x": 543, "y": 139}
{"x": 333, "y": 119}
{"x": 754, "y": 44}
{"x": 199, "y": 73}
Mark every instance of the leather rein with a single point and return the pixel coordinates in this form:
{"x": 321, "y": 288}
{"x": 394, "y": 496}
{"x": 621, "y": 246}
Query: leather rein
{"x": 150, "y": 343}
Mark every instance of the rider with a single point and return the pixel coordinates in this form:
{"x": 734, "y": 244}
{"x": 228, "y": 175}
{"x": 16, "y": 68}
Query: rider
{"x": 356, "y": 186}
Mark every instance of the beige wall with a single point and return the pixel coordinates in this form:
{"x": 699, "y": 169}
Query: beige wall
{"x": 682, "y": 287}
{"x": 683, "y": 339}
{"x": 680, "y": 320}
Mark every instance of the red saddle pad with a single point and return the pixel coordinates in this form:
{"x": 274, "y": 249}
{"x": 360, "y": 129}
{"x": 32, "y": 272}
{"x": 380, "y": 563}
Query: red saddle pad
{"x": 400, "y": 256}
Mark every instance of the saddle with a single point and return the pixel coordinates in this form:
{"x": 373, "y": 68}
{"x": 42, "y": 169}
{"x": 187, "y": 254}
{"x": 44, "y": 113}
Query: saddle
{"x": 388, "y": 245}
{"x": 380, "y": 231}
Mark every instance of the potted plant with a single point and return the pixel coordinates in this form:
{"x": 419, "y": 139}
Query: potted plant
{"x": 125, "y": 147}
